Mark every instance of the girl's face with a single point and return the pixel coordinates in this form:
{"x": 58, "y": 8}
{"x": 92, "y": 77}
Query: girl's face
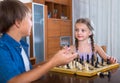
{"x": 25, "y": 25}
{"x": 82, "y": 31}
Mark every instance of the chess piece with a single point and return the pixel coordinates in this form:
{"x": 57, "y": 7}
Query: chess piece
{"x": 82, "y": 60}
{"x": 86, "y": 66}
{"x": 97, "y": 60}
{"x": 87, "y": 58}
{"x": 96, "y": 63}
{"x": 100, "y": 74}
{"x": 108, "y": 61}
{"x": 77, "y": 59}
{"x": 80, "y": 66}
{"x": 109, "y": 75}
{"x": 71, "y": 65}
{"x": 102, "y": 61}
{"x": 74, "y": 63}
{"x": 68, "y": 67}
{"x": 65, "y": 66}
{"x": 92, "y": 60}
{"x": 103, "y": 74}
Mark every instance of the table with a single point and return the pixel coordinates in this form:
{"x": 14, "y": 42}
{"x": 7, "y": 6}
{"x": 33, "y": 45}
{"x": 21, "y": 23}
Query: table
{"x": 54, "y": 77}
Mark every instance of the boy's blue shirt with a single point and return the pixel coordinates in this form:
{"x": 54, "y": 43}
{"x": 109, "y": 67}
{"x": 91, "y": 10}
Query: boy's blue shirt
{"x": 11, "y": 62}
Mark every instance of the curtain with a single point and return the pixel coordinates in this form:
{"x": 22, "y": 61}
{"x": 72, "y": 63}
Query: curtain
{"x": 105, "y": 15}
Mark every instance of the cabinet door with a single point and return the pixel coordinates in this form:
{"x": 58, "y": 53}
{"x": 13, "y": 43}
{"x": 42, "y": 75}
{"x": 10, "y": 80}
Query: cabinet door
{"x": 37, "y": 39}
{"x": 53, "y": 46}
{"x": 53, "y": 28}
{"x": 38, "y": 31}
{"x": 66, "y": 29}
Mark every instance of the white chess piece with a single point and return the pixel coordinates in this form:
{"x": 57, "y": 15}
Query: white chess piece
{"x": 86, "y": 67}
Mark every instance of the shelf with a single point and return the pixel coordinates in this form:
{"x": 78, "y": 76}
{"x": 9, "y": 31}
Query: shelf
{"x": 58, "y": 9}
{"x": 65, "y": 2}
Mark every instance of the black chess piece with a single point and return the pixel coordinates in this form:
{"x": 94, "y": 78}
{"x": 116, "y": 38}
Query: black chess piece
{"x": 77, "y": 59}
{"x": 68, "y": 67}
{"x": 103, "y": 74}
{"x": 97, "y": 60}
{"x": 100, "y": 74}
{"x": 82, "y": 60}
{"x": 108, "y": 61}
{"x": 102, "y": 61}
{"x": 109, "y": 75}
{"x": 92, "y": 60}
{"x": 75, "y": 62}
{"x": 96, "y": 63}
{"x": 88, "y": 58}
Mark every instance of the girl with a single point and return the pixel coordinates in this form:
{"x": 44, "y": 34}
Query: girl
{"x": 85, "y": 43}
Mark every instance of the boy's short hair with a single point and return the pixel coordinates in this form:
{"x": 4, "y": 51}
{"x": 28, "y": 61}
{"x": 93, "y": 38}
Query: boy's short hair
{"x": 10, "y": 11}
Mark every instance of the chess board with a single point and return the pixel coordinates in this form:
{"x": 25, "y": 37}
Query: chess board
{"x": 85, "y": 72}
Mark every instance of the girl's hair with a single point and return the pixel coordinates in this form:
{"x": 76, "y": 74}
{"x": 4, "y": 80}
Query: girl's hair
{"x": 10, "y": 11}
{"x": 89, "y": 25}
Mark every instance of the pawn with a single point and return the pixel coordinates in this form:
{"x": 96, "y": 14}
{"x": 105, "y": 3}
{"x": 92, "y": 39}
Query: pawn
{"x": 109, "y": 75}
{"x": 108, "y": 61}
{"x": 88, "y": 58}
{"x": 82, "y": 60}
{"x": 96, "y": 63}
{"x": 86, "y": 66}
{"x": 80, "y": 66}
{"x": 102, "y": 61}
{"x": 68, "y": 67}
{"x": 92, "y": 60}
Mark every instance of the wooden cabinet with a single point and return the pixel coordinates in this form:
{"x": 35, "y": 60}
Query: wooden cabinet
{"x": 66, "y": 28}
{"x": 58, "y": 23}
{"x": 53, "y": 46}
{"x": 39, "y": 1}
{"x": 59, "y": 9}
{"x": 53, "y": 28}
{"x": 56, "y": 28}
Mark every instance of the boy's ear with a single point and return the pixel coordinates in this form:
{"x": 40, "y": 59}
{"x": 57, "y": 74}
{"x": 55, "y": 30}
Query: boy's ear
{"x": 17, "y": 23}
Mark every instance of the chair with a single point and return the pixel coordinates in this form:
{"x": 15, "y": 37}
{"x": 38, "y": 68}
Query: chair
{"x": 104, "y": 48}
{"x": 33, "y": 60}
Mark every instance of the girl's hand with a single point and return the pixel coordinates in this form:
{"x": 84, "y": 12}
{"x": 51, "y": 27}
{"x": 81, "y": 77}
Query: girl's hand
{"x": 112, "y": 59}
